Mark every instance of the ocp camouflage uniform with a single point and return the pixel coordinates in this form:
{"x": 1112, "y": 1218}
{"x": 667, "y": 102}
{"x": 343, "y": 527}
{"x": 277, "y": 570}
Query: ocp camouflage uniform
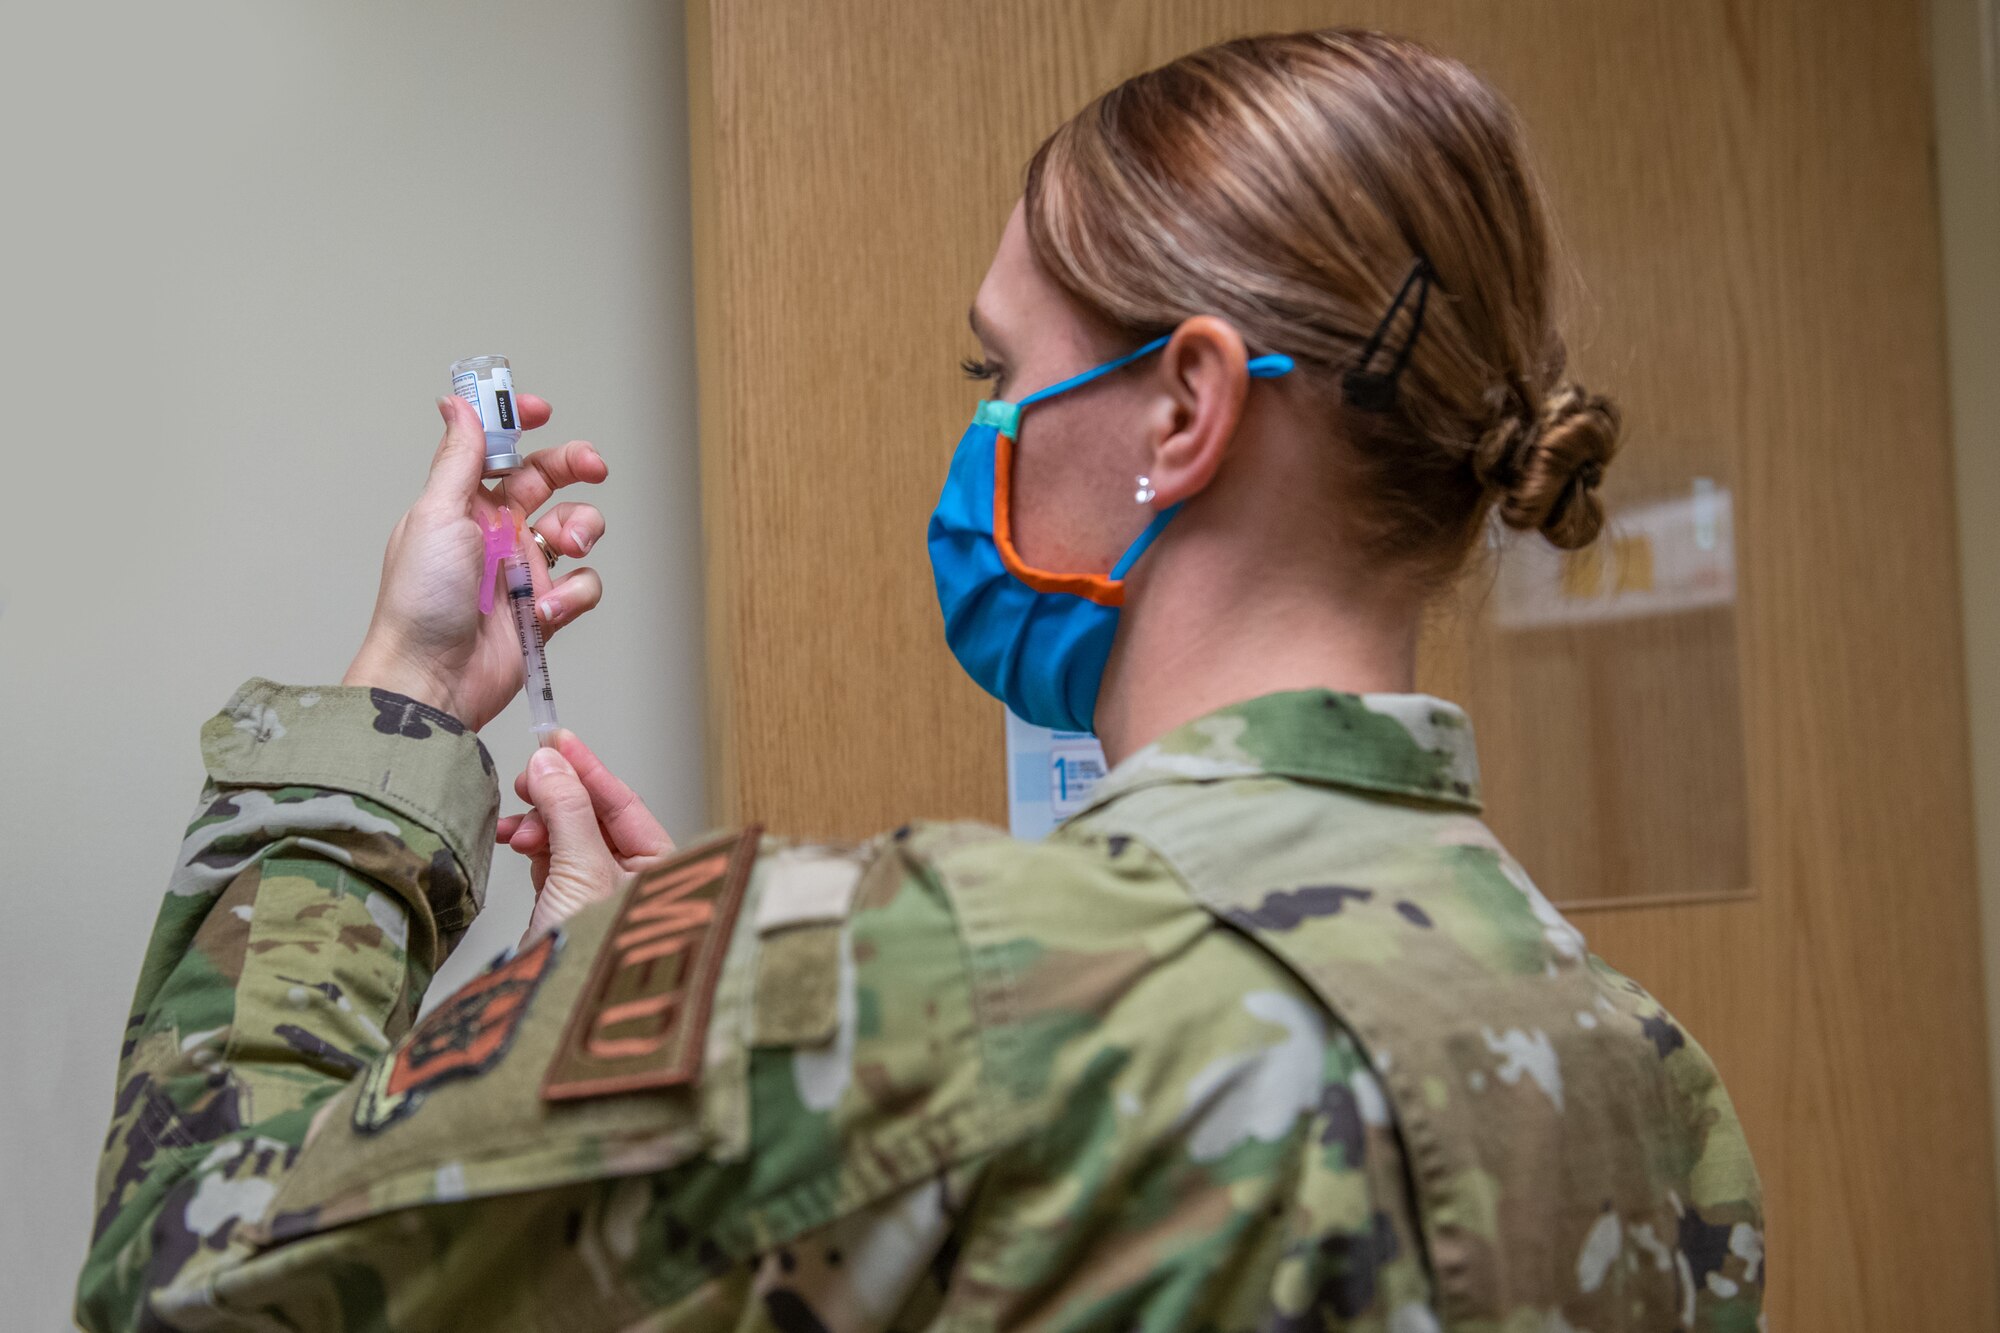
{"x": 1273, "y": 1036}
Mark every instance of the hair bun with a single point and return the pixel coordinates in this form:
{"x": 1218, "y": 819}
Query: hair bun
{"x": 1557, "y": 464}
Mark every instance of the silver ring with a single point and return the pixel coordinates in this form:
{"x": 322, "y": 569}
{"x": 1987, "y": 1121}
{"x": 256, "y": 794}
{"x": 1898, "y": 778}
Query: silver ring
{"x": 543, "y": 542}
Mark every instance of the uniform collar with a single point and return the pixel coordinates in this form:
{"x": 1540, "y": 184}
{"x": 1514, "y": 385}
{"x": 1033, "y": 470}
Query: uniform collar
{"x": 1410, "y": 746}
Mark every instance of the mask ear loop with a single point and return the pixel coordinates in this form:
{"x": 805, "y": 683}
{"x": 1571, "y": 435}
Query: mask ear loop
{"x": 1005, "y": 418}
{"x": 1268, "y": 367}
{"x": 1265, "y": 367}
{"x": 1375, "y": 390}
{"x": 1259, "y": 368}
{"x": 1094, "y": 372}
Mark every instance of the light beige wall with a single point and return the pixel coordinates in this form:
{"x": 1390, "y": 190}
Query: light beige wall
{"x": 239, "y": 244}
{"x": 1965, "y": 57}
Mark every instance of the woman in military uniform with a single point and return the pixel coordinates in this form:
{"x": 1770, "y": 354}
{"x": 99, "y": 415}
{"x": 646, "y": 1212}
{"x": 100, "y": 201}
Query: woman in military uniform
{"x": 1272, "y": 1035}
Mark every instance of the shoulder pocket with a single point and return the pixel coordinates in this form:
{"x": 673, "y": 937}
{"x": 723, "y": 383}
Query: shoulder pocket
{"x": 804, "y": 898}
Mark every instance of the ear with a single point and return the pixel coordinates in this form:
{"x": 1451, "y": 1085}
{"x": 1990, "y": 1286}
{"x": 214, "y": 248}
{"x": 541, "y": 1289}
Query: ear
{"x": 1202, "y": 368}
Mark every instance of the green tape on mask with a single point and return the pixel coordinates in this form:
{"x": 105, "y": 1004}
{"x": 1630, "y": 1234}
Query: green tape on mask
{"x": 1003, "y": 417}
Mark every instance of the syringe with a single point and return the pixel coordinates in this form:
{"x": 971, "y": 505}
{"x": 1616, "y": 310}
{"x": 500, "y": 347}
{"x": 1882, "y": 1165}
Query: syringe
{"x": 506, "y": 549}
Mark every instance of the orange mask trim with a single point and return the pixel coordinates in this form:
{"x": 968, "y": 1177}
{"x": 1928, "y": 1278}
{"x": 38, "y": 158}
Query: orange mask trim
{"x": 1097, "y": 588}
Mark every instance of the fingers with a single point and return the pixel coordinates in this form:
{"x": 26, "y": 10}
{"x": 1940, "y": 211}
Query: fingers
{"x": 556, "y": 790}
{"x": 575, "y": 840}
{"x": 571, "y": 528}
{"x": 459, "y": 460}
{"x": 546, "y": 471}
{"x": 524, "y": 833}
{"x": 531, "y": 837}
{"x": 534, "y": 411}
{"x": 573, "y": 594}
{"x": 627, "y": 823}
{"x": 581, "y": 868}
{"x": 629, "y": 827}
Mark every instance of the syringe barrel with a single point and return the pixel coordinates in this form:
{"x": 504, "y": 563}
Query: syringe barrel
{"x": 534, "y": 660}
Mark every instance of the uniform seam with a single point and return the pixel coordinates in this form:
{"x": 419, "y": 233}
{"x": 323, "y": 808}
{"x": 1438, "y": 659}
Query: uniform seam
{"x": 416, "y": 1167}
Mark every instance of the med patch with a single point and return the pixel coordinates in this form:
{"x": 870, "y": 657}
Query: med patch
{"x": 640, "y": 1019}
{"x": 461, "y": 1038}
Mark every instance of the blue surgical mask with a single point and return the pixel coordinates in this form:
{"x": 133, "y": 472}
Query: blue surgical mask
{"x": 1037, "y": 641}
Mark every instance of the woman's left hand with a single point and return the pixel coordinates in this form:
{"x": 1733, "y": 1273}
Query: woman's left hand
{"x": 428, "y": 639}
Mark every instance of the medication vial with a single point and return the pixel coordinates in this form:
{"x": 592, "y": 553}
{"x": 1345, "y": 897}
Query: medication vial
{"x": 488, "y": 384}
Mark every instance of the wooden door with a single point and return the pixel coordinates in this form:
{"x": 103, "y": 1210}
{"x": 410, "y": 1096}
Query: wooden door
{"x": 1746, "y": 191}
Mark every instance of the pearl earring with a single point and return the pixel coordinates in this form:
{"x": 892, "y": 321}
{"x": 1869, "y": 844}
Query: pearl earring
{"x": 1145, "y": 492}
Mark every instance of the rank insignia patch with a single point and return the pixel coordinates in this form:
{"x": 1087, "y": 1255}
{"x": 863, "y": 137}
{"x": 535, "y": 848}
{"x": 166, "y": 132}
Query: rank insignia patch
{"x": 642, "y": 1017}
{"x": 462, "y": 1037}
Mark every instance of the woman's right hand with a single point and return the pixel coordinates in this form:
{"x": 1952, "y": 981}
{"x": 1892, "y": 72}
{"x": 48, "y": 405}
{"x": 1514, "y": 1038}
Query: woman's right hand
{"x": 587, "y": 830}
{"x": 428, "y": 639}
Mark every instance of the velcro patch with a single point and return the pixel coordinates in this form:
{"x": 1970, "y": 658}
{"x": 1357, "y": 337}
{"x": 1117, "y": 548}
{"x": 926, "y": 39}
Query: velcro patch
{"x": 806, "y": 886}
{"x": 798, "y": 987}
{"x": 640, "y": 1019}
{"x": 462, "y": 1037}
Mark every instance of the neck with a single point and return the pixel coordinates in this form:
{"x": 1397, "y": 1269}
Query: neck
{"x": 1197, "y": 635}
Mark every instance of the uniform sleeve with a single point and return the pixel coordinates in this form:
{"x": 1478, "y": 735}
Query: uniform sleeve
{"x": 338, "y": 852}
{"x": 813, "y": 1176}
{"x": 1719, "y": 1255}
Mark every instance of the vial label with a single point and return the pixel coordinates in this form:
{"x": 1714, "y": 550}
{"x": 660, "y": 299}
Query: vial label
{"x": 495, "y": 399}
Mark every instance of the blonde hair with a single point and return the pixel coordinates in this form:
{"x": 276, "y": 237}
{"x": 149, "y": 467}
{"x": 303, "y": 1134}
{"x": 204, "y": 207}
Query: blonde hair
{"x": 1289, "y": 184}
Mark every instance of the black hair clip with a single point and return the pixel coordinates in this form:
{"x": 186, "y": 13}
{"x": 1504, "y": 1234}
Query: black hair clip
{"x": 1375, "y": 390}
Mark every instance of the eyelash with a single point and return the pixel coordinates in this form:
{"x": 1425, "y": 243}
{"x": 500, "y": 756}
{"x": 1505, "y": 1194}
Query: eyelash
{"x": 979, "y": 369}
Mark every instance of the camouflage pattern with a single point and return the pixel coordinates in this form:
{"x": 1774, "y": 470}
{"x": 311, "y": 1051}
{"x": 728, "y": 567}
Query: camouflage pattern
{"x": 1273, "y": 1036}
